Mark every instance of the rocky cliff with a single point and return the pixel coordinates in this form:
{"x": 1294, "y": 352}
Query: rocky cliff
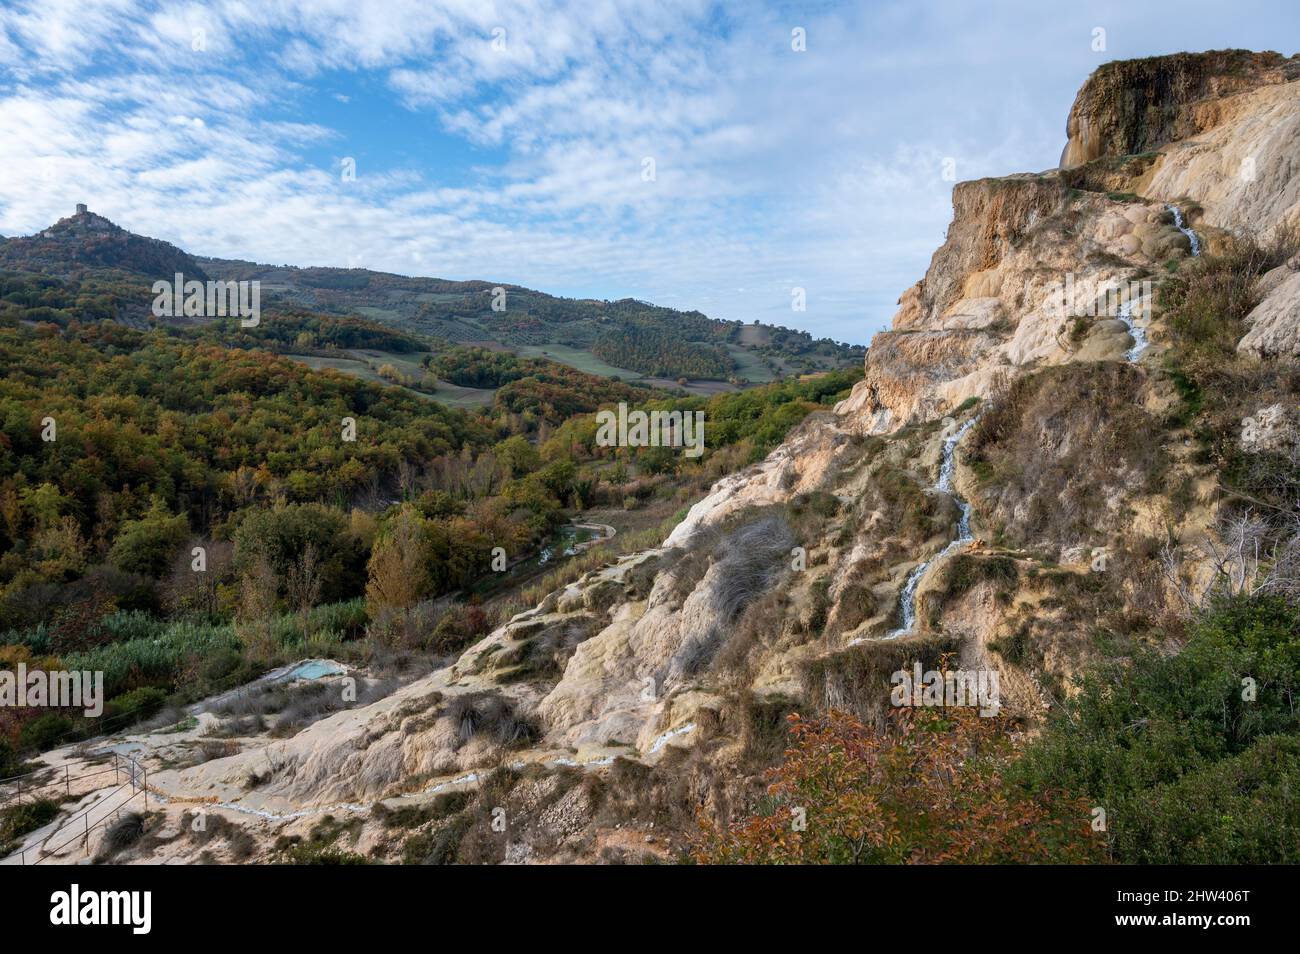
{"x": 655, "y": 687}
{"x": 1213, "y": 134}
{"x": 1135, "y": 106}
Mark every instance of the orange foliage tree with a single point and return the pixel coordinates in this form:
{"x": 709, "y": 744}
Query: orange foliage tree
{"x": 929, "y": 789}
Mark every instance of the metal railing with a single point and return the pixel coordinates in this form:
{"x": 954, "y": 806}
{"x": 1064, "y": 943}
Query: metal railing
{"x": 136, "y": 782}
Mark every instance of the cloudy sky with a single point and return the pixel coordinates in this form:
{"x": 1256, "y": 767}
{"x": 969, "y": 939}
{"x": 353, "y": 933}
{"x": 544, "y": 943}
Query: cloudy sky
{"x": 678, "y": 151}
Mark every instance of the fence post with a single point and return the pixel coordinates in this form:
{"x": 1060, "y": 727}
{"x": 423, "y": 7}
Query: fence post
{"x": 87, "y": 820}
{"x": 67, "y": 779}
{"x": 117, "y": 775}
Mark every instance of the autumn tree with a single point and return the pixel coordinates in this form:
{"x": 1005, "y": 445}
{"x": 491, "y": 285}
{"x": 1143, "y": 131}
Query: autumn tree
{"x": 398, "y": 573}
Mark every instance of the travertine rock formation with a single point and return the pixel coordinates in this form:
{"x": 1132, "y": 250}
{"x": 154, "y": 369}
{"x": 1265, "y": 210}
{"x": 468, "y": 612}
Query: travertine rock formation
{"x": 782, "y": 586}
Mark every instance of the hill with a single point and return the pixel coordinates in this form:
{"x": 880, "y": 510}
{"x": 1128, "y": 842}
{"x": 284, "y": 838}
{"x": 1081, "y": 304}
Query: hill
{"x": 1068, "y": 475}
{"x": 626, "y": 338}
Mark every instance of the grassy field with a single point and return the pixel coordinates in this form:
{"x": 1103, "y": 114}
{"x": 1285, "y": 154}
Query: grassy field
{"x": 749, "y": 365}
{"x": 702, "y": 387}
{"x": 385, "y": 316}
{"x": 575, "y": 358}
{"x": 411, "y": 364}
{"x": 362, "y": 363}
{"x": 454, "y": 395}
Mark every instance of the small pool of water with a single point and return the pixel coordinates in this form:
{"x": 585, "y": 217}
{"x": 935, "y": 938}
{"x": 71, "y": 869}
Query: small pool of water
{"x": 313, "y": 669}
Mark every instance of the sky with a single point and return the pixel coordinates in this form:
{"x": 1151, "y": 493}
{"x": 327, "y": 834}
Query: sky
{"x": 710, "y": 156}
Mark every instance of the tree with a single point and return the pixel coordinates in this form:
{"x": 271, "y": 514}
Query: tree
{"x": 282, "y": 535}
{"x": 398, "y": 574}
{"x": 302, "y": 583}
{"x": 517, "y": 457}
{"x": 258, "y": 589}
{"x": 147, "y": 545}
{"x": 61, "y": 549}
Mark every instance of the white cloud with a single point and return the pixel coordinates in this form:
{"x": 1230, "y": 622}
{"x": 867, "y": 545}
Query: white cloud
{"x": 773, "y": 168}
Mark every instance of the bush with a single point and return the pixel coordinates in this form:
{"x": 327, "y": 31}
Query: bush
{"x": 10, "y": 764}
{"x": 311, "y": 854}
{"x": 137, "y": 703}
{"x": 487, "y": 713}
{"x": 856, "y": 679}
{"x": 24, "y": 818}
{"x": 46, "y": 730}
{"x": 927, "y": 788}
{"x": 1241, "y": 810}
{"x": 1159, "y": 739}
{"x": 121, "y": 835}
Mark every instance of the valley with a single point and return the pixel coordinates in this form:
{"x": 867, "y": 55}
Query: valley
{"x": 1096, "y": 504}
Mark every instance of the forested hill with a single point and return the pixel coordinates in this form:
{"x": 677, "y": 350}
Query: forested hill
{"x": 629, "y": 339}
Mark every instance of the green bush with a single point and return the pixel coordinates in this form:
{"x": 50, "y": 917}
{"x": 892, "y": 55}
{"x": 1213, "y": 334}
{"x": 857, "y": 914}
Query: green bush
{"x": 314, "y": 854}
{"x": 138, "y": 702}
{"x": 147, "y": 545}
{"x": 1176, "y": 750}
{"x": 23, "y": 818}
{"x": 44, "y": 731}
{"x": 1241, "y": 810}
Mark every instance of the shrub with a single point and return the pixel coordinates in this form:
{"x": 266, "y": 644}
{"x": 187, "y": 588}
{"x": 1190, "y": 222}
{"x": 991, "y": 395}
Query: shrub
{"x": 312, "y": 854}
{"x": 1241, "y": 810}
{"x": 965, "y": 571}
{"x": 23, "y": 818}
{"x": 856, "y": 679}
{"x": 121, "y": 835}
{"x": 928, "y": 788}
{"x": 487, "y": 713}
{"x": 45, "y": 730}
{"x": 137, "y": 703}
{"x": 1142, "y": 737}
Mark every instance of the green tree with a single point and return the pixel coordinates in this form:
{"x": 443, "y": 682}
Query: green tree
{"x": 148, "y": 544}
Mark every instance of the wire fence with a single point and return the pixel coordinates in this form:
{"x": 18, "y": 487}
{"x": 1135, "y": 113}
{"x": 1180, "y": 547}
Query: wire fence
{"x": 130, "y": 780}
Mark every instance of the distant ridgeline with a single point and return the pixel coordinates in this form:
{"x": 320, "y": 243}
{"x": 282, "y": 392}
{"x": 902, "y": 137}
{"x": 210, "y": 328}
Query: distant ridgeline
{"x": 627, "y": 338}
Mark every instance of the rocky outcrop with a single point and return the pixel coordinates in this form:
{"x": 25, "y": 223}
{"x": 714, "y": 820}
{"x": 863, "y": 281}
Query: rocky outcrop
{"x": 1135, "y": 106}
{"x": 781, "y": 587}
{"x": 1275, "y": 322}
{"x": 1022, "y": 277}
{"x": 991, "y": 217}
{"x": 1029, "y": 279}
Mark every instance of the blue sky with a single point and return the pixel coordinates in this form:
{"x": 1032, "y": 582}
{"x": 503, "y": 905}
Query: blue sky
{"x": 509, "y": 141}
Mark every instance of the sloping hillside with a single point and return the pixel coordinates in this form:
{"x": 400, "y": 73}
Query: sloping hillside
{"x": 1072, "y": 461}
{"x": 627, "y": 338}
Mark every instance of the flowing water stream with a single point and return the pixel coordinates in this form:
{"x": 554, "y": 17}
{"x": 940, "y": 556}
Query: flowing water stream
{"x": 1125, "y": 313}
{"x": 907, "y": 599}
{"x": 1191, "y": 236}
{"x": 1139, "y": 335}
